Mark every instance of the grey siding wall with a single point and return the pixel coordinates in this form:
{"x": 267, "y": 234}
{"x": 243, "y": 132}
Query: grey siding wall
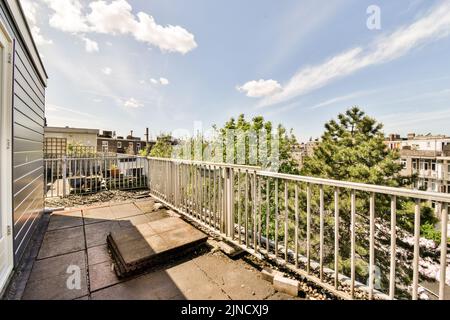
{"x": 28, "y": 136}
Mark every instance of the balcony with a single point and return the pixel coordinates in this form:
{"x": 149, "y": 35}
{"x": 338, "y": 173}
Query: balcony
{"x": 342, "y": 237}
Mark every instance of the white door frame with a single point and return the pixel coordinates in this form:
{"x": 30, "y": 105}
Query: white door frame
{"x": 6, "y": 211}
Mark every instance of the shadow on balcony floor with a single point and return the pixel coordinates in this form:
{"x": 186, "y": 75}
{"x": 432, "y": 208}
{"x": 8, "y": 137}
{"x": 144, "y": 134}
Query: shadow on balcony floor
{"x": 73, "y": 262}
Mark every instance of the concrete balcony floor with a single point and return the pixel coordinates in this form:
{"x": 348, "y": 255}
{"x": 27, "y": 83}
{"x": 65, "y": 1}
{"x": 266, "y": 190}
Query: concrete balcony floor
{"x": 72, "y": 243}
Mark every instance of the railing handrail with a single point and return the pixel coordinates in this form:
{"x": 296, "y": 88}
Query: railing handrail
{"x": 393, "y": 191}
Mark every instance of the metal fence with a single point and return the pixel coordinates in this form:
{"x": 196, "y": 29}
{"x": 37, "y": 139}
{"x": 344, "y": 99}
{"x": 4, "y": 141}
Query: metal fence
{"x": 66, "y": 176}
{"x": 343, "y": 236}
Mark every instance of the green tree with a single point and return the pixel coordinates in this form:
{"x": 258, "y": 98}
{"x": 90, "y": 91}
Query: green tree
{"x": 352, "y": 149}
{"x": 286, "y": 141}
{"x": 163, "y": 147}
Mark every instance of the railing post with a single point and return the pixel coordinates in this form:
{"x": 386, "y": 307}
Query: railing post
{"x": 64, "y": 175}
{"x": 443, "y": 264}
{"x": 229, "y": 207}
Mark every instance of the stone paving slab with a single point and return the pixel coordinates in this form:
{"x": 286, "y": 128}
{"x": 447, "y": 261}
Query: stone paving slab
{"x": 96, "y": 233}
{"x": 98, "y": 214}
{"x": 125, "y": 210}
{"x": 134, "y": 251}
{"x": 62, "y": 220}
{"x": 102, "y": 275}
{"x": 98, "y": 254}
{"x": 48, "y": 278}
{"x": 237, "y": 278}
{"x": 62, "y": 241}
{"x": 146, "y": 206}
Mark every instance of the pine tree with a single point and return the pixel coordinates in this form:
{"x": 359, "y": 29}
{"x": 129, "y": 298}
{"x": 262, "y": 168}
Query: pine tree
{"x": 352, "y": 149}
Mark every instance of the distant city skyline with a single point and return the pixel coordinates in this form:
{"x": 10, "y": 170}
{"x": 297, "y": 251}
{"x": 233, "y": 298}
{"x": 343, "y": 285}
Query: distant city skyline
{"x": 129, "y": 65}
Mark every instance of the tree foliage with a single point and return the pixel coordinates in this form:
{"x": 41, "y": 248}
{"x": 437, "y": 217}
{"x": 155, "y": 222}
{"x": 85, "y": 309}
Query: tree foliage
{"x": 352, "y": 149}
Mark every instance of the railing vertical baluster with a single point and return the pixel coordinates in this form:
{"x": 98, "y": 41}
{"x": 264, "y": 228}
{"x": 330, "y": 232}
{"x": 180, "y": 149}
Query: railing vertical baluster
{"x": 260, "y": 180}
{"x": 443, "y": 266}
{"x": 215, "y": 197}
{"x": 246, "y": 208}
{"x": 393, "y": 247}
{"x": 321, "y": 231}
{"x": 209, "y": 196}
{"x": 239, "y": 206}
{"x": 308, "y": 228}
{"x": 276, "y": 217}
{"x": 372, "y": 245}
{"x": 336, "y": 238}
{"x": 352, "y": 243}
{"x": 268, "y": 215}
{"x": 286, "y": 220}
{"x": 254, "y": 212}
{"x": 296, "y": 223}
{"x": 415, "y": 286}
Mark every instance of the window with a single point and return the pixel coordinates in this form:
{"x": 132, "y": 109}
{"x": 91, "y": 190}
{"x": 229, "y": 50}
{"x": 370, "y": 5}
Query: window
{"x": 414, "y": 164}
{"x": 138, "y": 146}
{"x": 104, "y": 146}
{"x": 448, "y": 187}
{"x": 404, "y": 163}
{"x": 425, "y": 165}
{"x": 433, "y": 166}
{"x": 119, "y": 144}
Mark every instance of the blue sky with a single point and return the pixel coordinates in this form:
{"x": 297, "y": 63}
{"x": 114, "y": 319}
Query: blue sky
{"x": 166, "y": 64}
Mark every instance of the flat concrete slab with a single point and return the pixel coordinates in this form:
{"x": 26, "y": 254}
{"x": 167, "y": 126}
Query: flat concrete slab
{"x": 49, "y": 278}
{"x": 64, "y": 219}
{"x": 96, "y": 233}
{"x": 125, "y": 210}
{"x": 160, "y": 240}
{"x": 62, "y": 241}
{"x": 98, "y": 254}
{"x": 102, "y": 275}
{"x": 146, "y": 206}
{"x": 98, "y": 214}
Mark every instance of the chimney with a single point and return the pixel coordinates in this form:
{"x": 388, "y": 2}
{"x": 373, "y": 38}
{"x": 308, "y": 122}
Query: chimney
{"x": 131, "y": 134}
{"x": 146, "y": 135}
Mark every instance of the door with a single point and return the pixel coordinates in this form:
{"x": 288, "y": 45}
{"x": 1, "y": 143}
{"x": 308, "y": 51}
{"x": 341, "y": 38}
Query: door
{"x": 6, "y": 237}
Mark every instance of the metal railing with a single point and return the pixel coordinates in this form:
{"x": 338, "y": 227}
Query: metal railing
{"x": 344, "y": 236}
{"x": 66, "y": 176}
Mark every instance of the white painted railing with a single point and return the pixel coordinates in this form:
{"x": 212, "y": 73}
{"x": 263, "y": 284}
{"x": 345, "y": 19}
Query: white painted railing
{"x": 65, "y": 176}
{"x": 341, "y": 235}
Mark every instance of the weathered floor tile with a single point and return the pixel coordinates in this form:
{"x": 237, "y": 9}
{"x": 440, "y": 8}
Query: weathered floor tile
{"x": 98, "y": 254}
{"x": 62, "y": 241}
{"x": 62, "y": 220}
{"x": 96, "y": 215}
{"x": 96, "y": 233}
{"x": 102, "y": 275}
{"x": 50, "y": 277}
{"x": 125, "y": 210}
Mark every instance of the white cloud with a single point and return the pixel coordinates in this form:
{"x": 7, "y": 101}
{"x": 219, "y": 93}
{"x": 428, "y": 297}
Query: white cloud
{"x": 433, "y": 26}
{"x": 260, "y": 88}
{"x": 107, "y": 71}
{"x": 115, "y": 18}
{"x": 31, "y": 11}
{"x": 163, "y": 81}
{"x": 67, "y": 15}
{"x": 90, "y": 45}
{"x": 342, "y": 98}
{"x": 133, "y": 103}
{"x": 38, "y": 37}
